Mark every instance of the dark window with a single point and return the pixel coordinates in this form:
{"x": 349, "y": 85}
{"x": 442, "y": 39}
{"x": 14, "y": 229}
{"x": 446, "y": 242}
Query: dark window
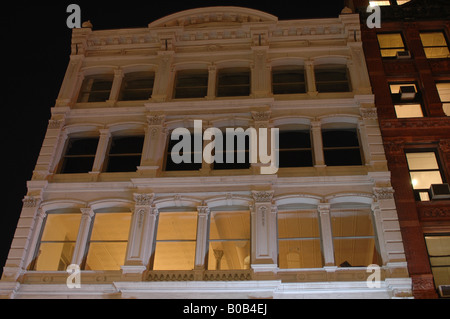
{"x": 191, "y": 84}
{"x": 239, "y": 158}
{"x": 79, "y": 156}
{"x": 341, "y": 147}
{"x": 137, "y": 86}
{"x": 96, "y": 88}
{"x": 332, "y": 78}
{"x": 124, "y": 154}
{"x": 233, "y": 82}
{"x": 183, "y": 166}
{"x": 288, "y": 80}
{"x": 295, "y": 149}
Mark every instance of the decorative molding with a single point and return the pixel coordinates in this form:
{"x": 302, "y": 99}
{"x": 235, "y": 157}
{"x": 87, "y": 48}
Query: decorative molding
{"x": 31, "y": 201}
{"x": 369, "y": 113}
{"x": 143, "y": 199}
{"x": 435, "y": 212}
{"x": 262, "y": 196}
{"x": 383, "y": 193}
{"x": 155, "y": 119}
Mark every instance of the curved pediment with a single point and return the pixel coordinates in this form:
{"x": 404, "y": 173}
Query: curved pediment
{"x": 212, "y": 16}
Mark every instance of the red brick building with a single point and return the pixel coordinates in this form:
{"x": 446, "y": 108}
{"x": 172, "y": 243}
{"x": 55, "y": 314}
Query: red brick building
{"x": 409, "y": 67}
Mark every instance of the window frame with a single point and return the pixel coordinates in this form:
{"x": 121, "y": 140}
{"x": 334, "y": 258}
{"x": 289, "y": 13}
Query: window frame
{"x": 404, "y": 48}
{"x": 135, "y": 76}
{"x": 442, "y": 46}
{"x": 108, "y": 154}
{"x": 397, "y": 101}
{"x": 233, "y": 71}
{"x": 167, "y": 155}
{"x": 86, "y": 88}
{"x": 336, "y": 67}
{"x": 445, "y": 102}
{"x": 62, "y": 162}
{"x": 193, "y": 72}
{"x": 332, "y": 148}
{"x": 296, "y": 149}
{"x": 289, "y": 69}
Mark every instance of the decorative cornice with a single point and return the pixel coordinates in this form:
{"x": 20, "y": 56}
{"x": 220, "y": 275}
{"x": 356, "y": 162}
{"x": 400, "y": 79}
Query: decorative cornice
{"x": 155, "y": 119}
{"x": 261, "y": 116}
{"x": 383, "y": 193}
{"x": 31, "y": 201}
{"x": 262, "y": 196}
{"x": 369, "y": 113}
{"x": 143, "y": 199}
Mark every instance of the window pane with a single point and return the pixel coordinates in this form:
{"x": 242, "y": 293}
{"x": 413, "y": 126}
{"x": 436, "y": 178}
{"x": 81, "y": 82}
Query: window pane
{"x": 61, "y": 227}
{"x": 300, "y": 254}
{"x": 298, "y": 224}
{"x": 54, "y": 256}
{"x": 354, "y": 252}
{"x": 73, "y": 165}
{"x": 438, "y": 245}
{"x": 395, "y": 88}
{"x": 111, "y": 226}
{"x": 233, "y": 82}
{"x": 423, "y": 180}
{"x": 444, "y": 94}
{"x": 174, "y": 255}
{"x": 80, "y": 155}
{"x": 226, "y": 255}
{"x": 422, "y": 160}
{"x": 191, "y": 84}
{"x": 137, "y": 86}
{"x": 96, "y": 88}
{"x": 439, "y": 252}
{"x": 332, "y": 78}
{"x": 340, "y": 138}
{"x": 408, "y": 110}
{"x": 288, "y": 80}
{"x": 390, "y": 44}
{"x": 125, "y": 154}
{"x": 82, "y": 146}
{"x": 435, "y": 45}
{"x": 170, "y": 165}
{"x": 106, "y": 256}
{"x": 177, "y": 226}
{"x": 352, "y": 224}
{"x": 230, "y": 225}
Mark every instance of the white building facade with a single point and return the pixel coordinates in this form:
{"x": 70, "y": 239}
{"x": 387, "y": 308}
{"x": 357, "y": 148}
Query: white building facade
{"x": 106, "y": 196}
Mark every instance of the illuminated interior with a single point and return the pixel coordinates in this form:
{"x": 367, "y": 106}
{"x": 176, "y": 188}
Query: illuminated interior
{"x": 390, "y": 44}
{"x": 354, "y": 238}
{"x": 108, "y": 243}
{"x": 229, "y": 240}
{"x": 424, "y": 169}
{"x": 444, "y": 94}
{"x": 299, "y": 240}
{"x": 435, "y": 45}
{"x": 57, "y": 242}
{"x": 439, "y": 253}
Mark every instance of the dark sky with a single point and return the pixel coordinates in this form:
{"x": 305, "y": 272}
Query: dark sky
{"x": 35, "y": 53}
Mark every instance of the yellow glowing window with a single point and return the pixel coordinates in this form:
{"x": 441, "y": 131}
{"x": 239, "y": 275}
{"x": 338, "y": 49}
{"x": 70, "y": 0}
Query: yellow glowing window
{"x": 435, "y": 45}
{"x": 439, "y": 253}
{"x": 353, "y": 238}
{"x": 444, "y": 94}
{"x": 229, "y": 241}
{"x": 299, "y": 240}
{"x": 390, "y": 44}
{"x": 176, "y": 241}
{"x": 423, "y": 169}
{"x": 57, "y": 244}
{"x": 379, "y": 3}
{"x": 108, "y": 242}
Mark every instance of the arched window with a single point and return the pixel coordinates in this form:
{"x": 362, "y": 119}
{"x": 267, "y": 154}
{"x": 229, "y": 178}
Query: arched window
{"x": 332, "y": 77}
{"x": 233, "y": 82}
{"x": 288, "y": 79}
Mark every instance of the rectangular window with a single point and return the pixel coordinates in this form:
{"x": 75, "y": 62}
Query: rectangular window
{"x": 295, "y": 149}
{"x": 176, "y": 241}
{"x": 124, "y": 154}
{"x": 187, "y": 153}
{"x": 332, "y": 78}
{"x": 288, "y": 80}
{"x": 57, "y": 243}
{"x": 137, "y": 86}
{"x": 299, "y": 240}
{"x": 353, "y": 238}
{"x": 390, "y": 44}
{"x": 439, "y": 253}
{"x": 424, "y": 171}
{"x": 233, "y": 82}
{"x": 191, "y": 84}
{"x": 435, "y": 45}
{"x": 239, "y": 157}
{"x": 96, "y": 88}
{"x": 108, "y": 243}
{"x": 229, "y": 241}
{"x": 79, "y": 155}
{"x": 407, "y": 100}
{"x": 444, "y": 93}
{"x": 341, "y": 147}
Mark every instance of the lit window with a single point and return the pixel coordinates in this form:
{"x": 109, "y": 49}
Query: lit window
{"x": 295, "y": 148}
{"x": 108, "y": 243}
{"x": 57, "y": 243}
{"x": 175, "y": 241}
{"x": 400, "y": 2}
{"x": 233, "y": 82}
{"x": 288, "y": 80}
{"x": 229, "y": 241}
{"x": 124, "y": 154}
{"x": 424, "y": 171}
{"x": 96, "y": 88}
{"x": 444, "y": 93}
{"x": 353, "y": 238}
{"x": 379, "y": 3}
{"x": 79, "y": 155}
{"x": 435, "y": 45}
{"x": 299, "y": 240}
{"x": 341, "y": 147}
{"x": 191, "y": 84}
{"x": 390, "y": 44}
{"x": 137, "y": 86}
{"x": 407, "y": 100}
{"x": 439, "y": 253}
{"x": 332, "y": 78}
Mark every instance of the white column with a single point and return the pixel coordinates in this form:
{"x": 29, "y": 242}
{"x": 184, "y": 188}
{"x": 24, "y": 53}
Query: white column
{"x": 212, "y": 79}
{"x": 66, "y": 96}
{"x": 310, "y": 78}
{"x": 80, "y": 252}
{"x": 316, "y": 131}
{"x": 326, "y": 234}
{"x": 264, "y": 231}
{"x": 102, "y": 148}
{"x": 202, "y": 237}
{"x": 154, "y": 145}
{"x": 140, "y": 240}
{"x": 116, "y": 86}
{"x": 260, "y": 72}
{"x": 364, "y": 142}
{"x": 163, "y": 76}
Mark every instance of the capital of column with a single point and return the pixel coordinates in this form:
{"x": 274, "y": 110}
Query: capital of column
{"x": 262, "y": 196}
{"x": 324, "y": 208}
{"x": 87, "y": 212}
{"x": 143, "y": 199}
{"x": 203, "y": 210}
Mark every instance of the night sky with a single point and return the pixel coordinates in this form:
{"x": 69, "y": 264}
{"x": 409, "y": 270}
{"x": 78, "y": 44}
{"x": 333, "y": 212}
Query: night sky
{"x": 35, "y": 53}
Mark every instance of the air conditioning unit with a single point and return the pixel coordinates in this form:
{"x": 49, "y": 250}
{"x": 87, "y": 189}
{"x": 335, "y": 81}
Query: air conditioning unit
{"x": 440, "y": 191}
{"x": 444, "y": 291}
{"x": 408, "y": 92}
{"x": 403, "y": 55}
